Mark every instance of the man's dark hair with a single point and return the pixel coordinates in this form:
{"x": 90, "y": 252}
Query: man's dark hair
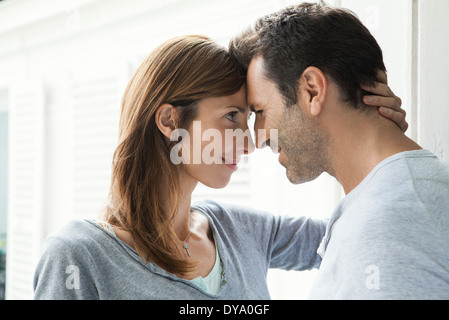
{"x": 310, "y": 34}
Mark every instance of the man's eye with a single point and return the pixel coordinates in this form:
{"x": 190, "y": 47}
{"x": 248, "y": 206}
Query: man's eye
{"x": 230, "y": 116}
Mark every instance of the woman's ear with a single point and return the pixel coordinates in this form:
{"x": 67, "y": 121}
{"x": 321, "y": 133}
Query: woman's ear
{"x": 312, "y": 88}
{"x": 165, "y": 118}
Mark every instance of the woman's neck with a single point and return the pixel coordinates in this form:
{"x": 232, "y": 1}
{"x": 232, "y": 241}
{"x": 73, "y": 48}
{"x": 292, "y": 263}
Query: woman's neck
{"x": 181, "y": 220}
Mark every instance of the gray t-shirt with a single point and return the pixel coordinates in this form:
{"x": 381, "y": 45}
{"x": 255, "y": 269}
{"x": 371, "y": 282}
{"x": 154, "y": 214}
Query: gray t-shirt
{"x": 85, "y": 261}
{"x": 389, "y": 237}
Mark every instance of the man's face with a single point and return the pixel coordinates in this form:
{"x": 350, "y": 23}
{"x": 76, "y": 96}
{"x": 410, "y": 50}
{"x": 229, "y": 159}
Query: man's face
{"x": 302, "y": 145}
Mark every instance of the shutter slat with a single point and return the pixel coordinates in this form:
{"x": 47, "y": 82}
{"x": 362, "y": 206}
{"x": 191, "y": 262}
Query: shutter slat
{"x": 25, "y": 187}
{"x": 96, "y": 107}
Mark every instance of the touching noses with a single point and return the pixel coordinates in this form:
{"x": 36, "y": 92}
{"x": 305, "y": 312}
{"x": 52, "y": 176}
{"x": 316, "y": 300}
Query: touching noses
{"x": 262, "y": 135}
{"x": 265, "y": 137}
{"x": 248, "y": 146}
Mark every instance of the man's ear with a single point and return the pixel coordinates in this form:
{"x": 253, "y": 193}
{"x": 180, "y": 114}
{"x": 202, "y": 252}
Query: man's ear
{"x": 312, "y": 89}
{"x": 165, "y": 118}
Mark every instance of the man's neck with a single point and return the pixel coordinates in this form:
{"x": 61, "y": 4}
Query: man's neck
{"x": 358, "y": 146}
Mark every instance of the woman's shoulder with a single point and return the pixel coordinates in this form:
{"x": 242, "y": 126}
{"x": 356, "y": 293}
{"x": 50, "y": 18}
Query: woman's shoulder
{"x": 223, "y": 208}
{"x": 226, "y": 213}
{"x": 79, "y": 233}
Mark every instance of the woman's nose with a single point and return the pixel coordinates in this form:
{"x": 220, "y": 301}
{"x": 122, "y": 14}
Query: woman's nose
{"x": 243, "y": 141}
{"x": 250, "y": 146}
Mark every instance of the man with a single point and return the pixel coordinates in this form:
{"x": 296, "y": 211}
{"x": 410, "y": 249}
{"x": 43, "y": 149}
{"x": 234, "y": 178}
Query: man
{"x": 307, "y": 66}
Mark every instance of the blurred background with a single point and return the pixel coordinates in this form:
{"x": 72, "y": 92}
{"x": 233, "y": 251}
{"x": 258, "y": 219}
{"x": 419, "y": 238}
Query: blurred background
{"x": 64, "y": 66}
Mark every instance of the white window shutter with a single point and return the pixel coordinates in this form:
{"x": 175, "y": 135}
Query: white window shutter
{"x": 96, "y": 106}
{"x": 25, "y": 205}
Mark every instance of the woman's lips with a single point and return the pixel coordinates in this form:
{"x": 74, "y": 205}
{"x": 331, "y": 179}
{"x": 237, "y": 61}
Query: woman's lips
{"x": 231, "y": 164}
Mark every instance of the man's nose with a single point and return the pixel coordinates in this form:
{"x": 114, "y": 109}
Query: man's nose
{"x": 261, "y": 135}
{"x": 262, "y": 138}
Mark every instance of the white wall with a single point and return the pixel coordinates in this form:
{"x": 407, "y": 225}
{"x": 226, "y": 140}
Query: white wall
{"x": 432, "y": 81}
{"x": 3, "y": 160}
{"x": 73, "y": 58}
{"x": 3, "y": 169}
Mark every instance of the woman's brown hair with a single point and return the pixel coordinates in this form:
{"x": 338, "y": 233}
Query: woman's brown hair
{"x": 180, "y": 72}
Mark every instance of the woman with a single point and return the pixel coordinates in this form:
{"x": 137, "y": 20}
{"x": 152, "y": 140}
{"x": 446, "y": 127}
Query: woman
{"x": 151, "y": 242}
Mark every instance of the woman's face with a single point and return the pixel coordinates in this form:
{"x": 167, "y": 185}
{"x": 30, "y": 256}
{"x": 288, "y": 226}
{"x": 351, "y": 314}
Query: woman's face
{"x": 219, "y": 136}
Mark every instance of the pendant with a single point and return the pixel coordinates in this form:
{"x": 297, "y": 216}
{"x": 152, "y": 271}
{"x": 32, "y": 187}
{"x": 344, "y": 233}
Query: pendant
{"x": 187, "y": 249}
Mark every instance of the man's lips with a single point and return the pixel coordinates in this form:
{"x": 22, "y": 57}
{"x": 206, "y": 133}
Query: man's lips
{"x": 281, "y": 158}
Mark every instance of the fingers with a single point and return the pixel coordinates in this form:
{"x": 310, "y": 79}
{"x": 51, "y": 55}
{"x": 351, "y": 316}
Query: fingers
{"x": 381, "y": 90}
{"x": 394, "y": 103}
{"x": 389, "y": 102}
{"x": 397, "y": 116}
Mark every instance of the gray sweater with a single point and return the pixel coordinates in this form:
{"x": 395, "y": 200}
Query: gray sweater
{"x": 389, "y": 237}
{"x": 85, "y": 261}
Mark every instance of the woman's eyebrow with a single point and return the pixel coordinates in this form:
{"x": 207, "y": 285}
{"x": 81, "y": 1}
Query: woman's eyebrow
{"x": 241, "y": 109}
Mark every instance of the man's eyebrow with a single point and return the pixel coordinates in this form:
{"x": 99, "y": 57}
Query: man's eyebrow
{"x": 253, "y": 107}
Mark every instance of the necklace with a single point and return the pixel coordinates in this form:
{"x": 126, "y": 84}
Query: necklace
{"x": 185, "y": 245}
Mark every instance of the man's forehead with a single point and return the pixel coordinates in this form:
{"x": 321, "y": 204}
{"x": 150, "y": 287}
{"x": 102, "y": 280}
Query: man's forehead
{"x": 256, "y": 68}
{"x": 260, "y": 89}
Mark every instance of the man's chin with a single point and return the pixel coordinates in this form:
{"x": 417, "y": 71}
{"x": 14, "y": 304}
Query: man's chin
{"x": 299, "y": 178}
{"x": 294, "y": 178}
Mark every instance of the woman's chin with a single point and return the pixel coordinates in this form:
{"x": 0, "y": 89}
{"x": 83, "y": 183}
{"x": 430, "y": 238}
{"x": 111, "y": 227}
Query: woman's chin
{"x": 217, "y": 184}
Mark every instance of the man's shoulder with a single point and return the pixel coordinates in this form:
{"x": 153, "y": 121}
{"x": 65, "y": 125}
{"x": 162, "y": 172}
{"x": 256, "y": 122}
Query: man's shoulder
{"x": 424, "y": 164}
{"x": 406, "y": 175}
{"x": 417, "y": 164}
{"x": 417, "y": 180}
{"x": 406, "y": 196}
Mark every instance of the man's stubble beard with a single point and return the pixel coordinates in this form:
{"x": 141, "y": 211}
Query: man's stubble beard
{"x": 304, "y": 144}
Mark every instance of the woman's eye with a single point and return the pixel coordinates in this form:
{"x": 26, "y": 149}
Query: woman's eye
{"x": 230, "y": 116}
